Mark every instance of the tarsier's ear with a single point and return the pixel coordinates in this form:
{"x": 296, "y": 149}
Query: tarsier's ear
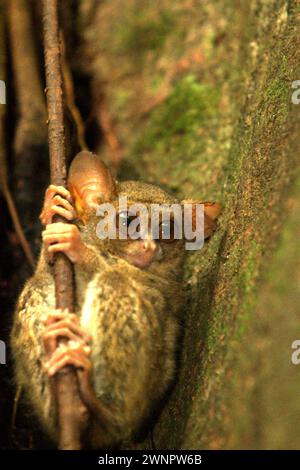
{"x": 211, "y": 213}
{"x": 90, "y": 183}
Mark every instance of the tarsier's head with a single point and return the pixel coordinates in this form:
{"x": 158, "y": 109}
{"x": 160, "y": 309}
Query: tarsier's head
{"x": 146, "y": 243}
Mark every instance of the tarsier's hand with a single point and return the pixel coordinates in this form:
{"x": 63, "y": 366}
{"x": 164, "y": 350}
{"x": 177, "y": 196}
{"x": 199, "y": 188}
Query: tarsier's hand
{"x": 59, "y": 236}
{"x": 66, "y": 238}
{"x": 75, "y": 352}
{"x": 58, "y": 200}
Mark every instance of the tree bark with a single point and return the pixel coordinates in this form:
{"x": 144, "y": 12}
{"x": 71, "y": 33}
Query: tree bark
{"x": 201, "y": 99}
{"x": 72, "y": 413}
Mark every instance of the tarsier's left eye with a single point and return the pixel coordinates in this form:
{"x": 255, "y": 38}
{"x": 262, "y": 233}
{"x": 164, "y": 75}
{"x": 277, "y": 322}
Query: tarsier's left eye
{"x": 124, "y": 218}
{"x": 167, "y": 230}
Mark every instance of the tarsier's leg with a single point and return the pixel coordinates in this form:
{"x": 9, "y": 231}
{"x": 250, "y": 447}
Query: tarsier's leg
{"x": 28, "y": 352}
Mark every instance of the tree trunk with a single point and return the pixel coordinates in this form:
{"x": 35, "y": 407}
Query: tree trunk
{"x": 200, "y": 97}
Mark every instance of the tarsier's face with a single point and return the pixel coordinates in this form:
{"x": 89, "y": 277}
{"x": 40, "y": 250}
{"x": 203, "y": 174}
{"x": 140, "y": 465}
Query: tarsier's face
{"x": 157, "y": 243}
{"x": 155, "y": 248}
{"x": 149, "y": 249}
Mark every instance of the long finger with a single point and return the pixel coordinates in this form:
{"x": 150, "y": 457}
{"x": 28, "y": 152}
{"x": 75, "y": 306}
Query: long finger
{"x": 74, "y": 327}
{"x": 53, "y": 189}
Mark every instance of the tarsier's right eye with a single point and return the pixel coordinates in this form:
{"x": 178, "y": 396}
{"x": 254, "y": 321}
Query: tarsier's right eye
{"x": 168, "y": 230}
{"x": 123, "y": 221}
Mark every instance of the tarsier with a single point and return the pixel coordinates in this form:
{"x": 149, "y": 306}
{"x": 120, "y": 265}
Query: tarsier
{"x": 123, "y": 334}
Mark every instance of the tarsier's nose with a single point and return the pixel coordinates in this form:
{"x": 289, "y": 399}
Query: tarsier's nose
{"x": 146, "y": 251}
{"x": 150, "y": 246}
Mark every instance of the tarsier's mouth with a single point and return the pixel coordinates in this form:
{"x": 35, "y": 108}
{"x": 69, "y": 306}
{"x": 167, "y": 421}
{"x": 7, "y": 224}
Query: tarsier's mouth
{"x": 143, "y": 258}
{"x": 141, "y": 261}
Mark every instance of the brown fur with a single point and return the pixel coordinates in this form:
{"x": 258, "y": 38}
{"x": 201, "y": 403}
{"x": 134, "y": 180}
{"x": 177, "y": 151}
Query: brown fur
{"x": 133, "y": 315}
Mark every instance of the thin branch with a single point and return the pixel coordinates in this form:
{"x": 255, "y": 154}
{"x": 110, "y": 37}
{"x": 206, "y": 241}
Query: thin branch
{"x": 30, "y": 139}
{"x": 72, "y": 413}
{"x": 15, "y": 408}
{"x": 16, "y": 222}
{"x": 111, "y": 139}
{"x": 3, "y": 170}
{"x": 70, "y": 97}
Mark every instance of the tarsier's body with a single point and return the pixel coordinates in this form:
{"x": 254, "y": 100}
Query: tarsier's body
{"x": 123, "y": 337}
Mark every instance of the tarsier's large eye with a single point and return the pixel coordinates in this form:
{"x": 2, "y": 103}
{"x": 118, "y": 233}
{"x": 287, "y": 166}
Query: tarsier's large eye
{"x": 123, "y": 221}
{"x": 167, "y": 230}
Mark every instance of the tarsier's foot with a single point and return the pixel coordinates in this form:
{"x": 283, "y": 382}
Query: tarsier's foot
{"x": 62, "y": 324}
{"x": 73, "y": 353}
{"x": 66, "y": 238}
{"x": 58, "y": 200}
{"x": 76, "y": 352}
